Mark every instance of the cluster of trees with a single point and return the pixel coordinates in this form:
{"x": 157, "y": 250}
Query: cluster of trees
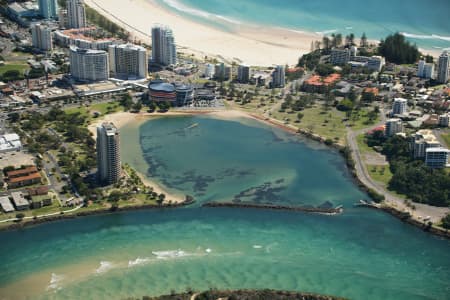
{"x": 94, "y": 17}
{"x": 395, "y": 48}
{"x": 412, "y": 177}
{"x": 298, "y": 104}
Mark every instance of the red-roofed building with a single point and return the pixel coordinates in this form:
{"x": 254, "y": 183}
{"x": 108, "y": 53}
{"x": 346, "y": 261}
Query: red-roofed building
{"x": 23, "y": 177}
{"x": 318, "y": 84}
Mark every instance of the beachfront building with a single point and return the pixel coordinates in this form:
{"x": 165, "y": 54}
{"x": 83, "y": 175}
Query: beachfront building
{"x": 443, "y": 67}
{"x": 76, "y": 14}
{"x": 88, "y": 65}
{"x": 423, "y": 140}
{"x": 42, "y": 37}
{"x": 63, "y": 18}
{"x": 81, "y": 38}
{"x": 425, "y": 70}
{"x": 164, "y": 50}
{"x": 209, "y": 71}
{"x": 400, "y": 106}
{"x": 108, "y": 153}
{"x": 128, "y": 61}
{"x": 48, "y": 9}
{"x": 222, "y": 72}
{"x": 6, "y": 204}
{"x": 243, "y": 75}
{"x": 278, "y": 77}
{"x": 437, "y": 158}
{"x": 340, "y": 56}
{"x": 10, "y": 142}
{"x": 185, "y": 94}
{"x": 393, "y": 126}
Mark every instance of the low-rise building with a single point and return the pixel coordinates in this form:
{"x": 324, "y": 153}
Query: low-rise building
{"x": 400, "y": 106}
{"x": 318, "y": 84}
{"x": 10, "y": 142}
{"x": 6, "y": 204}
{"x": 19, "y": 201}
{"x": 23, "y": 177}
{"x": 437, "y": 158}
{"x": 444, "y": 120}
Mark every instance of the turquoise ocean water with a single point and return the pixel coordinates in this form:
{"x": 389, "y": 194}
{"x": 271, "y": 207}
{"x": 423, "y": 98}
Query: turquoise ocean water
{"x": 426, "y": 23}
{"x": 361, "y": 254}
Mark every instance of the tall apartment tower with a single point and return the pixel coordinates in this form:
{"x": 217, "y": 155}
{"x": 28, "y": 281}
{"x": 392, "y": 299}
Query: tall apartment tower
{"x": 89, "y": 65}
{"x": 278, "y": 77}
{"x": 400, "y": 106}
{"x": 48, "y": 9}
{"x": 443, "y": 67}
{"x": 76, "y": 14}
{"x": 108, "y": 153}
{"x": 164, "y": 50}
{"x": 128, "y": 61}
{"x": 243, "y": 74}
{"x": 42, "y": 37}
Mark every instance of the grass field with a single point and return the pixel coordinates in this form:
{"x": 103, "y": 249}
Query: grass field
{"x": 446, "y": 138}
{"x": 381, "y": 174}
{"x": 21, "y": 67}
{"x": 363, "y": 147}
{"x": 360, "y": 120}
{"x": 327, "y": 124}
{"x": 102, "y": 108}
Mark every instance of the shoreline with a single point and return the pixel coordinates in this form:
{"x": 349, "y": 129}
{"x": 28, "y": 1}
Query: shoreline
{"x": 253, "y": 44}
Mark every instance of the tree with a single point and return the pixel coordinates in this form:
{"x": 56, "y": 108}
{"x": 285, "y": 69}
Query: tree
{"x": 326, "y": 42}
{"x": 363, "y": 41}
{"x": 161, "y": 198}
{"x": 300, "y": 116}
{"x": 126, "y": 102}
{"x": 446, "y": 221}
{"x": 398, "y": 50}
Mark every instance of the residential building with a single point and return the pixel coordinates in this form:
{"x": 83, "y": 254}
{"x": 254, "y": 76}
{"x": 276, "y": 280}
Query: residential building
{"x": 48, "y": 9}
{"x": 243, "y": 74}
{"x": 318, "y": 84}
{"x": 42, "y": 37}
{"x": 443, "y": 67}
{"x": 19, "y": 201}
{"x": 164, "y": 50}
{"x": 278, "y": 77}
{"x": 425, "y": 70}
{"x": 6, "y": 204}
{"x": 63, "y": 18}
{"x": 108, "y": 153}
{"x": 444, "y": 120}
{"x": 437, "y": 158}
{"x": 81, "y": 38}
{"x": 393, "y": 126}
{"x": 23, "y": 177}
{"x": 423, "y": 140}
{"x": 76, "y": 14}
{"x": 222, "y": 72}
{"x": 400, "y": 106}
{"x": 375, "y": 63}
{"x": 340, "y": 56}
{"x": 209, "y": 71}
{"x": 88, "y": 65}
{"x": 10, "y": 142}
{"x": 128, "y": 61}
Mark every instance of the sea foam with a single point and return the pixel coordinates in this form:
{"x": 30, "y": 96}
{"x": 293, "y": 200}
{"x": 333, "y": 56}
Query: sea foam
{"x": 55, "y": 279}
{"x": 426, "y": 37}
{"x": 169, "y": 254}
{"x": 138, "y": 261}
{"x": 105, "y": 266}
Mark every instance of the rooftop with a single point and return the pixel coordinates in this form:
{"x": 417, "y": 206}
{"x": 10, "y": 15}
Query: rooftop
{"x": 19, "y": 199}
{"x": 6, "y": 204}
{"x": 20, "y": 172}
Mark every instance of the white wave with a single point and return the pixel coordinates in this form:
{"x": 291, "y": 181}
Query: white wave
{"x": 169, "y": 254}
{"x": 104, "y": 267}
{"x": 192, "y": 11}
{"x": 349, "y": 28}
{"x": 138, "y": 261}
{"x": 54, "y": 282}
{"x": 208, "y": 250}
{"x": 325, "y": 32}
{"x": 257, "y": 246}
{"x": 426, "y": 37}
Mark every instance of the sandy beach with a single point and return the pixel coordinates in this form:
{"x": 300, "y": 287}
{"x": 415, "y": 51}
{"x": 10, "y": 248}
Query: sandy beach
{"x": 252, "y": 45}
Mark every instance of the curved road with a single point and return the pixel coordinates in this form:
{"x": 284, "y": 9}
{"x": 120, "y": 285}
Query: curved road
{"x": 422, "y": 210}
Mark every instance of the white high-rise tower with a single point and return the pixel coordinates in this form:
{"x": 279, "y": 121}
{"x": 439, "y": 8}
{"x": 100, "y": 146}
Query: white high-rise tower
{"x": 164, "y": 50}
{"x": 76, "y": 13}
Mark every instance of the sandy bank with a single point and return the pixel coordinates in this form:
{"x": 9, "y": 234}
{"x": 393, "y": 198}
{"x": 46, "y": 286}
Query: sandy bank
{"x": 253, "y": 45}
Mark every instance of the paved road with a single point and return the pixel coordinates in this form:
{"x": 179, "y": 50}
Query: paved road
{"x": 41, "y": 216}
{"x": 422, "y": 210}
